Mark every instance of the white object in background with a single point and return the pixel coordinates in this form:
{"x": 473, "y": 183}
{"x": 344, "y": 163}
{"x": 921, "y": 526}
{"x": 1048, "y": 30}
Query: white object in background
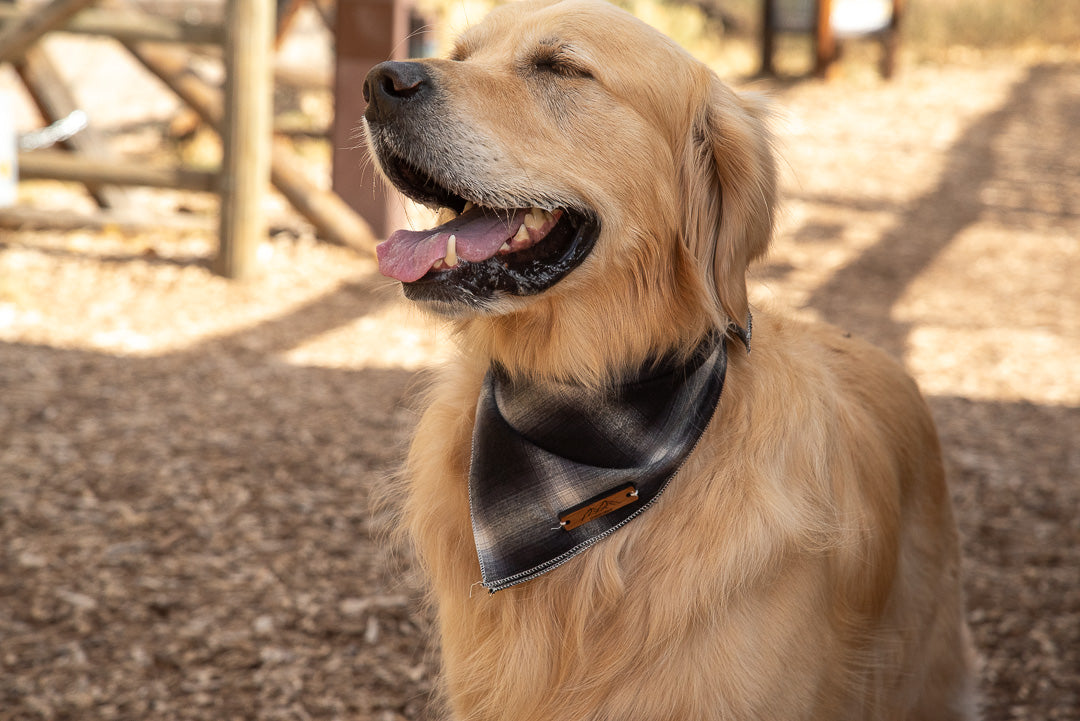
{"x": 860, "y": 17}
{"x": 9, "y": 157}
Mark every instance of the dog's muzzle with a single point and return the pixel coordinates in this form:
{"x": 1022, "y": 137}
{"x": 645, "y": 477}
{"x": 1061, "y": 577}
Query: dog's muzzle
{"x": 482, "y": 248}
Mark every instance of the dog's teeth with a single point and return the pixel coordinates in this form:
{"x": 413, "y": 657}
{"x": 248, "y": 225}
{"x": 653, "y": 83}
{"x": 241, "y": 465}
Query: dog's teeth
{"x": 504, "y": 248}
{"x": 537, "y": 218}
{"x": 438, "y": 264}
{"x": 451, "y": 251}
{"x": 469, "y": 205}
{"x": 445, "y": 215}
{"x": 522, "y": 234}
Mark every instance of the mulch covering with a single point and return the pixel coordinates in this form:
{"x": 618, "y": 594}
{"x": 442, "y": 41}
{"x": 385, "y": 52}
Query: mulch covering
{"x": 186, "y": 464}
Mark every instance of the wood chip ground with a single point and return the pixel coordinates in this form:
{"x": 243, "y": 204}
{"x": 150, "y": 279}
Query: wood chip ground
{"x": 186, "y": 464}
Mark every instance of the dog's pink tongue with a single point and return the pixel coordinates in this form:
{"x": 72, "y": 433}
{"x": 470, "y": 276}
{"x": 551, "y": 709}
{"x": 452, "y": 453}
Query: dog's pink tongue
{"x": 479, "y": 233}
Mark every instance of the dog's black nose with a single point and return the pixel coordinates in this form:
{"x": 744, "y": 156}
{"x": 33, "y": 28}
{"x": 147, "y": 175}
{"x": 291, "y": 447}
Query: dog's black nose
{"x": 391, "y": 84}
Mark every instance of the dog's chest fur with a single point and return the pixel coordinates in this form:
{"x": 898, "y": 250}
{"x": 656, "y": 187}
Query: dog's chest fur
{"x": 725, "y": 582}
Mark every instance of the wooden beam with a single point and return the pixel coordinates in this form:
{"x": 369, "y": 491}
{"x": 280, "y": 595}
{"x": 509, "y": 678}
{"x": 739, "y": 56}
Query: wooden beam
{"x": 245, "y": 135}
{"x": 24, "y": 218}
{"x": 171, "y": 67}
{"x": 54, "y": 101}
{"x": 131, "y": 26}
{"x": 327, "y": 10}
{"x": 333, "y": 219}
{"x": 17, "y": 37}
{"x": 313, "y": 78}
{"x": 54, "y": 165}
{"x": 286, "y": 15}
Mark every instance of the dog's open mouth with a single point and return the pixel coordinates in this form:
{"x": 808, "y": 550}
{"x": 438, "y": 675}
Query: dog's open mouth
{"x": 476, "y": 252}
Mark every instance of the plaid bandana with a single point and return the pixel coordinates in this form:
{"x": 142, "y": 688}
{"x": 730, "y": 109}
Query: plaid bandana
{"x": 557, "y": 467}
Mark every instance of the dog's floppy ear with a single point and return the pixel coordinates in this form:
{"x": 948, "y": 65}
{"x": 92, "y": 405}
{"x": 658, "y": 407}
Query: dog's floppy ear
{"x": 729, "y": 191}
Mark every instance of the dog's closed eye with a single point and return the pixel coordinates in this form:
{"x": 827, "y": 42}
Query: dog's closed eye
{"x": 461, "y": 51}
{"x": 556, "y": 58}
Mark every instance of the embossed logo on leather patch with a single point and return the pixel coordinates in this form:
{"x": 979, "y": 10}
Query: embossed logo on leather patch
{"x": 597, "y": 507}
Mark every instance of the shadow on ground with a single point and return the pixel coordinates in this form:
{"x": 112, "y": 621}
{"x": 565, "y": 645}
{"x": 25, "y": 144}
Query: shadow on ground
{"x": 190, "y": 536}
{"x": 1018, "y": 167}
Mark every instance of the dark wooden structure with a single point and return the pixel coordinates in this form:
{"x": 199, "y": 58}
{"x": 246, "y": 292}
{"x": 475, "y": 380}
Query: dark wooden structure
{"x": 831, "y": 22}
{"x": 367, "y": 32}
{"x": 241, "y": 112}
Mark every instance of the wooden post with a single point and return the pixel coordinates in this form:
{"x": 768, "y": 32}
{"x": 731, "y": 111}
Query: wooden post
{"x": 768, "y": 36}
{"x": 131, "y": 25}
{"x": 367, "y": 33}
{"x": 891, "y": 41}
{"x": 246, "y": 131}
{"x": 17, "y": 37}
{"x": 824, "y": 39}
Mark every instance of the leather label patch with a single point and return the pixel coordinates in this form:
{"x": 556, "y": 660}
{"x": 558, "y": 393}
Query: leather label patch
{"x": 597, "y": 507}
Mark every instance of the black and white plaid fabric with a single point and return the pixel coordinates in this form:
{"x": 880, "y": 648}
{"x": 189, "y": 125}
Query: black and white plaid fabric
{"x": 540, "y": 450}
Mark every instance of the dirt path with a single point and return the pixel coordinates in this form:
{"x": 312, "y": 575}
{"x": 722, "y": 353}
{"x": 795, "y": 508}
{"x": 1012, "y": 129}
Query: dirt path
{"x": 185, "y": 464}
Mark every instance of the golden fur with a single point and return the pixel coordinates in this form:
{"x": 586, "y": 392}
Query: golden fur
{"x": 803, "y": 564}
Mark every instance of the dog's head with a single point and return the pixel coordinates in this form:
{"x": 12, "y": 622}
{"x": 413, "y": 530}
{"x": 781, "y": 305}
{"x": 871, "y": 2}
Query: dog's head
{"x": 577, "y": 157}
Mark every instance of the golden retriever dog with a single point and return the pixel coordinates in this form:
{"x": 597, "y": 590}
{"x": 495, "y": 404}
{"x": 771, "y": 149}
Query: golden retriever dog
{"x": 630, "y": 506}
